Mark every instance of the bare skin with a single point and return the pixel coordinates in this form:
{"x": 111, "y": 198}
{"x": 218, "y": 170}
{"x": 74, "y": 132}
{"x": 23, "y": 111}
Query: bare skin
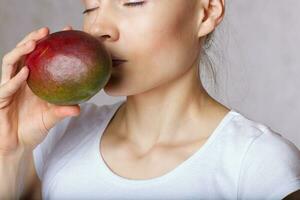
{"x": 25, "y": 121}
{"x": 168, "y": 114}
{"x": 127, "y": 159}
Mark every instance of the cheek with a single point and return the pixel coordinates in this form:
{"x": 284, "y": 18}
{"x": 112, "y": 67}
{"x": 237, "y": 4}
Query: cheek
{"x": 90, "y": 21}
{"x": 166, "y": 47}
{"x": 86, "y": 24}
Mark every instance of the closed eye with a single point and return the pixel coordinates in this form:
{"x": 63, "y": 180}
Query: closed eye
{"x": 140, "y": 3}
{"x": 89, "y": 10}
{"x": 132, "y": 4}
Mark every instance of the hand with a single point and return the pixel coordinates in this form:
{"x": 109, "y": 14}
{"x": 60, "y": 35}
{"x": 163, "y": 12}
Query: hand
{"x": 25, "y": 119}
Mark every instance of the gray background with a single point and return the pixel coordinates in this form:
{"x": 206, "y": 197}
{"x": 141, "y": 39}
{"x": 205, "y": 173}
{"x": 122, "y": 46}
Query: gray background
{"x": 255, "y": 54}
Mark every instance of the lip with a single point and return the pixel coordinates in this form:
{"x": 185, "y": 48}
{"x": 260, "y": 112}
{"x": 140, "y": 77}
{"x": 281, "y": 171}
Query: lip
{"x": 118, "y": 62}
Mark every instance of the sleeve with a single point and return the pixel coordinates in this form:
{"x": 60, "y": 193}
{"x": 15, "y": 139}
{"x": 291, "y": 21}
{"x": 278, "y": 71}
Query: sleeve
{"x": 270, "y": 168}
{"x": 41, "y": 152}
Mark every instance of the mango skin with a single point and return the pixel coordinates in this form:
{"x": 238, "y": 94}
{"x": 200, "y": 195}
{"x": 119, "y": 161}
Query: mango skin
{"x": 68, "y": 67}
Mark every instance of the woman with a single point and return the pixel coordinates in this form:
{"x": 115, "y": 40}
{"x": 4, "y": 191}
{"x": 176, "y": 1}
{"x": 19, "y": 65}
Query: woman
{"x": 168, "y": 140}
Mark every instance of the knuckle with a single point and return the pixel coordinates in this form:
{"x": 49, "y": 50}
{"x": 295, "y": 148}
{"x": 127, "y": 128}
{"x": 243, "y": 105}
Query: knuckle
{"x": 7, "y": 58}
{"x": 28, "y": 37}
{"x": 31, "y": 41}
{"x": 28, "y": 44}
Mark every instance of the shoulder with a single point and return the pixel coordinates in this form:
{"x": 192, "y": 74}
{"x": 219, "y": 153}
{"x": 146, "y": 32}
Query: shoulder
{"x": 245, "y": 126}
{"x": 270, "y": 167}
{"x": 257, "y": 135}
{"x": 264, "y": 140}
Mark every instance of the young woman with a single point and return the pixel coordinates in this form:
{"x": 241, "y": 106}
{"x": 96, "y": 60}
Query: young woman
{"x": 169, "y": 140}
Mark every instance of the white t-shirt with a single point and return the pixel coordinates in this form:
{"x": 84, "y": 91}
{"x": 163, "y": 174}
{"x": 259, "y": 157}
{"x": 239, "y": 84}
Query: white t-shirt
{"x": 242, "y": 159}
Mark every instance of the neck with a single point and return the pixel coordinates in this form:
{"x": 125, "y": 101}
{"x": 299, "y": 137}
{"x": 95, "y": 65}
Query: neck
{"x": 168, "y": 113}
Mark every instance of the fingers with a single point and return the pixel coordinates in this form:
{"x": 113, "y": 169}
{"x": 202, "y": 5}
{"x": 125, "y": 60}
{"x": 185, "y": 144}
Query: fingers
{"x": 11, "y": 87}
{"x": 55, "y": 113}
{"x": 38, "y": 34}
{"x": 24, "y": 47}
{"x": 35, "y": 35}
{"x": 10, "y": 59}
{"x": 67, "y": 28}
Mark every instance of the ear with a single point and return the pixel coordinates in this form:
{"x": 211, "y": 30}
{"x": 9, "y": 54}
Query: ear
{"x": 212, "y": 13}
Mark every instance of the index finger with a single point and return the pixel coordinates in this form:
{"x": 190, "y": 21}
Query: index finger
{"x": 35, "y": 35}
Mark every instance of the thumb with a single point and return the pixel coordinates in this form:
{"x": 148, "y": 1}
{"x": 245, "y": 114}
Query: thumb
{"x": 57, "y": 113}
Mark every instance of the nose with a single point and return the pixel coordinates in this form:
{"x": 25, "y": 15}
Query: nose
{"x": 104, "y": 27}
{"x": 104, "y": 33}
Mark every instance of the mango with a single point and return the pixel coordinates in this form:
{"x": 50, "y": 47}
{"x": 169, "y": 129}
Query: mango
{"x": 68, "y": 67}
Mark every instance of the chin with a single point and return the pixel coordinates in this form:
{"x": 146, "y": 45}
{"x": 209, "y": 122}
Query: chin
{"x": 112, "y": 91}
{"x": 115, "y": 90}
{"x": 116, "y": 87}
{"x": 120, "y": 90}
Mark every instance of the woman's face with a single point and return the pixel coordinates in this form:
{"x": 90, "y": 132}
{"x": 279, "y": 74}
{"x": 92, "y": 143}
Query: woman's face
{"x": 158, "y": 38}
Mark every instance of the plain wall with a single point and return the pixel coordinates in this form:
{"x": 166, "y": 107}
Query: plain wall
{"x": 256, "y": 54}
